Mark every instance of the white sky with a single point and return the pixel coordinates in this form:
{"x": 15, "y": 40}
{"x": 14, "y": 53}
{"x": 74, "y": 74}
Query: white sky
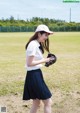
{"x": 24, "y": 9}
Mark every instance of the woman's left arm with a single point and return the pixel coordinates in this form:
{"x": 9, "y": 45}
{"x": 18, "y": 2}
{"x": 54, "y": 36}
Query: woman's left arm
{"x": 32, "y": 62}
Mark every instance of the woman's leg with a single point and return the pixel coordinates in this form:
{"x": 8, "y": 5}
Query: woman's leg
{"x": 35, "y": 106}
{"x": 47, "y": 105}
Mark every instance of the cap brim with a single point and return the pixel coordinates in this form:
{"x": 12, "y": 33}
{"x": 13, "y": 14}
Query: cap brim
{"x": 50, "y": 32}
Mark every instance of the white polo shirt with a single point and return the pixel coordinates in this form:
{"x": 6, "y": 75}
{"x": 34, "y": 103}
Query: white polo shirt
{"x": 33, "y": 50}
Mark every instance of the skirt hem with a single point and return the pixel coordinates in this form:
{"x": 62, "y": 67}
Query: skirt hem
{"x": 38, "y": 98}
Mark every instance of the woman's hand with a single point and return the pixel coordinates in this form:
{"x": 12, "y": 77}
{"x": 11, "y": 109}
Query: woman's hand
{"x": 49, "y": 59}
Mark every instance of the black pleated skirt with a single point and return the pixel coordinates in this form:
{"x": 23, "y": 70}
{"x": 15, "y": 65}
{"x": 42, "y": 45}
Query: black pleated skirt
{"x": 35, "y": 86}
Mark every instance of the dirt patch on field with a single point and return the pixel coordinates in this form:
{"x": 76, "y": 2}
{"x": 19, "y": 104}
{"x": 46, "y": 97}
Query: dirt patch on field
{"x": 62, "y": 103}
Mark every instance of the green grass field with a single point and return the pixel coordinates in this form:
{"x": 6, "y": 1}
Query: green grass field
{"x": 64, "y": 75}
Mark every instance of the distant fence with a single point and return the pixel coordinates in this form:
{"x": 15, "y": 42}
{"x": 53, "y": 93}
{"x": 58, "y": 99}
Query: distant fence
{"x": 16, "y": 29}
{"x": 32, "y": 28}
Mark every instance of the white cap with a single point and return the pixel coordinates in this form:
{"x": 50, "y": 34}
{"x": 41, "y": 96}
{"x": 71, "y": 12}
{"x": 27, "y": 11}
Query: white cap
{"x": 43, "y": 27}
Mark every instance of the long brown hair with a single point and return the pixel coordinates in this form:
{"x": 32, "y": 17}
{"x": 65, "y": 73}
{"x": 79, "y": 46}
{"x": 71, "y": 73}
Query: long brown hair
{"x": 43, "y": 46}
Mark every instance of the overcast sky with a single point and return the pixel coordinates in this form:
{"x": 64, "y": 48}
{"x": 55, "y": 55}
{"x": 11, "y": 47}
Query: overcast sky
{"x": 24, "y": 9}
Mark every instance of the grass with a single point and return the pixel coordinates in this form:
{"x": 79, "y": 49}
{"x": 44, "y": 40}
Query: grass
{"x": 63, "y": 75}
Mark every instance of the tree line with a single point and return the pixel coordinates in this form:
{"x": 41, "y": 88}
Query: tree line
{"x": 29, "y": 25}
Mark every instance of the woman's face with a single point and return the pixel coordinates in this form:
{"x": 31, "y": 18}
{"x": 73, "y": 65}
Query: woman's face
{"x": 42, "y": 37}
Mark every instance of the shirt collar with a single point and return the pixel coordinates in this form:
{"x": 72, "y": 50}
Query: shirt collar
{"x": 37, "y": 43}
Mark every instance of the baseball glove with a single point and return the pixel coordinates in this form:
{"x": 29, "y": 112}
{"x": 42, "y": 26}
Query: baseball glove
{"x": 47, "y": 64}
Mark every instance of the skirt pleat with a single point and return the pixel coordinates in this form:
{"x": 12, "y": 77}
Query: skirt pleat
{"x": 35, "y": 86}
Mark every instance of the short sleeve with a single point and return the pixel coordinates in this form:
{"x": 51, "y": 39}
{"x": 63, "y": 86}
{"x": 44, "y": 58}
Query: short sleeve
{"x": 31, "y": 49}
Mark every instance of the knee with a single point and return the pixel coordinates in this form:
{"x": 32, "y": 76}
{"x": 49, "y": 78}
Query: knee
{"x": 48, "y": 102}
{"x": 36, "y": 103}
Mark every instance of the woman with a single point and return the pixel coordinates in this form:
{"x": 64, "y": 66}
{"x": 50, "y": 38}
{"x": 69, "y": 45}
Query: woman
{"x": 35, "y": 87}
